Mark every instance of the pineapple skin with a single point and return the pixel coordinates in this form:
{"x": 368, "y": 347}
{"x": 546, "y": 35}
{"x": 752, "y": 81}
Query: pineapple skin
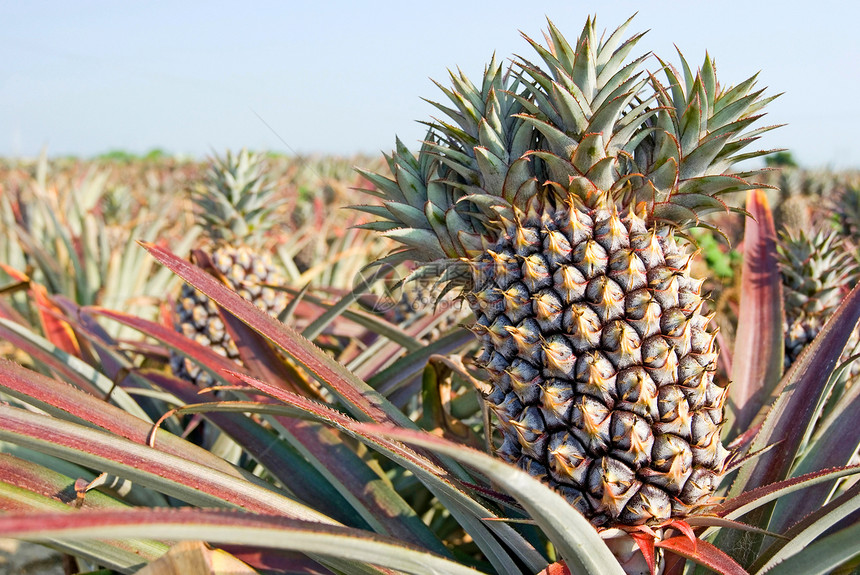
{"x": 601, "y": 362}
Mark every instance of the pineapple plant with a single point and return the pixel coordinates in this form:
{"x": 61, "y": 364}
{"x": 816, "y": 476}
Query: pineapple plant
{"x": 232, "y": 209}
{"x": 557, "y": 199}
{"x": 816, "y": 273}
{"x": 846, "y": 209}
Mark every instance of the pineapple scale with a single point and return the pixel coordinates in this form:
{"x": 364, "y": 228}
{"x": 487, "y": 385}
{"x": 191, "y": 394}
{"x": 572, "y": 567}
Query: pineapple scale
{"x": 601, "y": 363}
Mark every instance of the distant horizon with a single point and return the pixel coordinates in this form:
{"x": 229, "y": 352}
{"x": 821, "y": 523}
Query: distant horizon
{"x": 342, "y": 80}
{"x": 158, "y": 152}
{"x": 154, "y": 154}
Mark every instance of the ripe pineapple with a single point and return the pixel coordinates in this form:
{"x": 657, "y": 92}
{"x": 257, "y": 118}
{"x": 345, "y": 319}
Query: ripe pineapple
{"x": 555, "y": 198}
{"x": 232, "y": 210}
{"x": 817, "y": 271}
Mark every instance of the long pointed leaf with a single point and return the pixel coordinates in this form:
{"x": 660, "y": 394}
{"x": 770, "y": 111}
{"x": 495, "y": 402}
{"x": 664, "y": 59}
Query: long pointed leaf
{"x": 67, "y": 402}
{"x": 571, "y": 533}
{"x": 703, "y": 553}
{"x": 363, "y": 401}
{"x": 824, "y": 555}
{"x": 235, "y": 528}
{"x": 757, "y": 364}
{"x": 73, "y": 368}
{"x": 358, "y": 397}
{"x": 834, "y": 445}
{"x": 797, "y": 399}
{"x": 283, "y": 462}
{"x": 172, "y": 475}
{"x": 467, "y": 511}
{"x": 49, "y": 491}
{"x": 749, "y": 500}
{"x": 808, "y": 529}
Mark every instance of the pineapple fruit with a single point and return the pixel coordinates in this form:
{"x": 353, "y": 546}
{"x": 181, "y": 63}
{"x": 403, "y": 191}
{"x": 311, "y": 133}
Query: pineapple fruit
{"x": 232, "y": 209}
{"x": 846, "y": 208}
{"x": 817, "y": 271}
{"x": 556, "y": 199}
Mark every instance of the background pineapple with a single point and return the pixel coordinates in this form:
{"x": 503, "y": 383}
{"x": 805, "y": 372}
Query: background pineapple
{"x": 554, "y": 198}
{"x": 817, "y": 271}
{"x": 232, "y": 209}
{"x": 845, "y": 204}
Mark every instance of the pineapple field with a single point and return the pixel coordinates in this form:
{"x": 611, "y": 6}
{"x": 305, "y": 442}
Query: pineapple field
{"x": 585, "y": 327}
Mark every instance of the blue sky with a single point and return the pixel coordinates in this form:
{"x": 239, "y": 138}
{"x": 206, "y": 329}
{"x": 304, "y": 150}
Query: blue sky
{"x": 344, "y": 77}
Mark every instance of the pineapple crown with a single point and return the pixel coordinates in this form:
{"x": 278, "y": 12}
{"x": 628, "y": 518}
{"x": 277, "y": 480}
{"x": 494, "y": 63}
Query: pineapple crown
{"x": 591, "y": 127}
{"x": 235, "y": 201}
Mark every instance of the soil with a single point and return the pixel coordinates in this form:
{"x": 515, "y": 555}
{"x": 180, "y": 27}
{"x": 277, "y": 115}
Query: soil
{"x": 22, "y": 558}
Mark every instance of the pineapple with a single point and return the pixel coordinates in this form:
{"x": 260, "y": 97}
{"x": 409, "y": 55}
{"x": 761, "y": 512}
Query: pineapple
{"x": 232, "y": 210}
{"x": 556, "y": 199}
{"x": 817, "y": 271}
{"x": 846, "y": 208}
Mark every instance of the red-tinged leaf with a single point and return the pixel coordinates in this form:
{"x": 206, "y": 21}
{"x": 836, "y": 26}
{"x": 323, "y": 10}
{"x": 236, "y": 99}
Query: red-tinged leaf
{"x": 685, "y": 528}
{"x": 362, "y": 400}
{"x": 167, "y": 473}
{"x": 834, "y": 445}
{"x": 645, "y": 542}
{"x": 15, "y": 334}
{"x": 466, "y": 510}
{"x": 749, "y": 500}
{"x": 559, "y": 568}
{"x": 379, "y": 504}
{"x": 809, "y": 528}
{"x": 288, "y": 466}
{"x": 702, "y": 553}
{"x": 257, "y": 354}
{"x": 572, "y": 535}
{"x": 46, "y": 483}
{"x": 323, "y": 542}
{"x": 123, "y": 555}
{"x": 261, "y": 359}
{"x": 712, "y": 521}
{"x": 69, "y": 403}
{"x": 724, "y": 359}
{"x": 337, "y": 419}
{"x": 56, "y": 330}
{"x": 744, "y": 440}
{"x": 383, "y": 507}
{"x": 214, "y": 362}
{"x": 735, "y": 462}
{"x": 757, "y": 361}
{"x": 798, "y": 399}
